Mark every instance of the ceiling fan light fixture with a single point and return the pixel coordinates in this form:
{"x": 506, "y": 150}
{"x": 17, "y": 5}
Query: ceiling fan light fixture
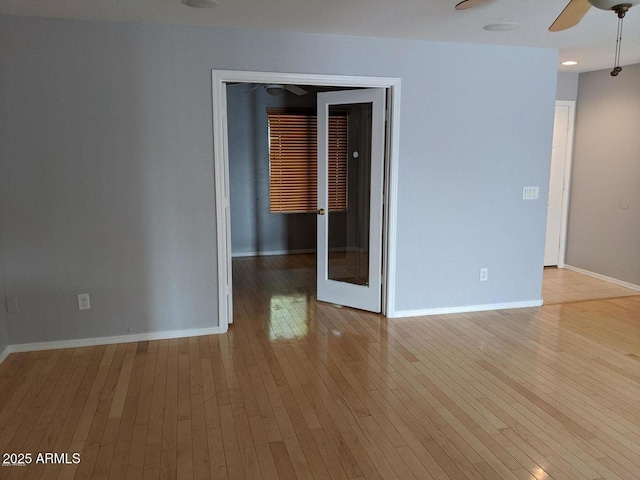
{"x": 612, "y": 4}
{"x": 201, "y": 3}
{"x": 502, "y": 27}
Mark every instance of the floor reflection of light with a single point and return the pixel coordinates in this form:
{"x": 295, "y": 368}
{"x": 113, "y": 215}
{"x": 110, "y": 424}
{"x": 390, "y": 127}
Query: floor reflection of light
{"x": 539, "y": 473}
{"x": 289, "y": 315}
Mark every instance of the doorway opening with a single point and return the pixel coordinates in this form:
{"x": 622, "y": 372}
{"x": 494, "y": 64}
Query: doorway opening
{"x": 559, "y": 183}
{"x": 558, "y": 201}
{"x": 297, "y": 239}
{"x": 563, "y": 283}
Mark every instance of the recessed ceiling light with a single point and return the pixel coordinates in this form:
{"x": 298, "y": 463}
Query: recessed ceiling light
{"x": 502, "y": 27}
{"x": 200, "y": 3}
{"x": 569, "y": 63}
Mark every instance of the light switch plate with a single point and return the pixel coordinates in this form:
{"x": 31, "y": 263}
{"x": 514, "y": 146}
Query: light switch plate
{"x": 530, "y": 193}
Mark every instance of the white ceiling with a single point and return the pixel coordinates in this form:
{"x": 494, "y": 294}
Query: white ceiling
{"x": 592, "y": 42}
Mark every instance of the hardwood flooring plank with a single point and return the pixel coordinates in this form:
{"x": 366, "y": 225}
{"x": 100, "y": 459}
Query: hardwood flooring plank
{"x": 302, "y": 389}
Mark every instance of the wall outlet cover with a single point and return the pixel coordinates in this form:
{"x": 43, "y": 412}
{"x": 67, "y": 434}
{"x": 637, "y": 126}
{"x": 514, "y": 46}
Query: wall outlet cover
{"x": 484, "y": 274}
{"x": 84, "y": 302}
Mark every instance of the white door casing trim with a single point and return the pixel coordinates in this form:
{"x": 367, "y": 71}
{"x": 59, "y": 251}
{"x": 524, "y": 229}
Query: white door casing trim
{"x": 568, "y": 161}
{"x": 219, "y": 79}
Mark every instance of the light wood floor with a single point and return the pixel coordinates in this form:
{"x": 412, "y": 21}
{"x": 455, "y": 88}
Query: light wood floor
{"x": 563, "y": 286}
{"x": 298, "y": 389}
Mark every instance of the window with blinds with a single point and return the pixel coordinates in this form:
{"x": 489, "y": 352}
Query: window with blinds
{"x": 293, "y": 182}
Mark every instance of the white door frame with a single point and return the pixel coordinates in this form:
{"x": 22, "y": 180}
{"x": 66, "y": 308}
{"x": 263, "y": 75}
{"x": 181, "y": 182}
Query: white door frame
{"x": 219, "y": 79}
{"x": 568, "y": 159}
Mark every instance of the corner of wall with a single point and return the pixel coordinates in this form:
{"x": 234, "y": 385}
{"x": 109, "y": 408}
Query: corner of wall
{"x": 567, "y": 86}
{"x": 4, "y": 320}
{"x": 4, "y": 353}
{"x": 4, "y": 327}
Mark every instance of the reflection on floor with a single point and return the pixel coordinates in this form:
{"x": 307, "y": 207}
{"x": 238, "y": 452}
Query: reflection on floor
{"x": 562, "y": 286}
{"x": 280, "y": 290}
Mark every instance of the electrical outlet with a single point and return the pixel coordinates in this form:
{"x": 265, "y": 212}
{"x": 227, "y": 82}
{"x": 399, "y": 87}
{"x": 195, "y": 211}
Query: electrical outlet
{"x": 83, "y": 301}
{"x": 12, "y": 305}
{"x": 484, "y": 274}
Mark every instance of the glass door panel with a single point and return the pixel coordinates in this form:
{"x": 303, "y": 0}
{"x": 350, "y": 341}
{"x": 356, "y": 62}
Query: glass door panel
{"x": 350, "y": 176}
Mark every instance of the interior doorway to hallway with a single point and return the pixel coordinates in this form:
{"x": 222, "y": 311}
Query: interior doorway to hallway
{"x": 559, "y": 183}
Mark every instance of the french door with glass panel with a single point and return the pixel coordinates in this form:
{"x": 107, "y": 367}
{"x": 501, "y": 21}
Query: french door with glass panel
{"x": 351, "y": 136}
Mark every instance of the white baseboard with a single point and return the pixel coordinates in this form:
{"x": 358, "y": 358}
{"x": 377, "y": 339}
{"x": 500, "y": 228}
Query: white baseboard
{"x": 272, "y": 253}
{"x": 4, "y": 354}
{"x": 466, "y": 309}
{"x": 615, "y": 281}
{"x": 91, "y": 342}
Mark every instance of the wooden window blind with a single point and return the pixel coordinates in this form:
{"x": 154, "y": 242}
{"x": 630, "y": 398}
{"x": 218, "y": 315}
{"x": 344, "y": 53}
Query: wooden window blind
{"x": 293, "y": 182}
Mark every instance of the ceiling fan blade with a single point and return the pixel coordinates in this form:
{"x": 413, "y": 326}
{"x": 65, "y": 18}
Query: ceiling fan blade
{"x": 296, "y": 89}
{"x": 465, "y": 4}
{"x": 571, "y": 15}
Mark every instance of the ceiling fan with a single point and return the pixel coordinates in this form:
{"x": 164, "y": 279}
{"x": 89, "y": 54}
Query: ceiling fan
{"x": 465, "y": 4}
{"x": 576, "y": 9}
{"x": 276, "y": 89}
{"x": 573, "y": 13}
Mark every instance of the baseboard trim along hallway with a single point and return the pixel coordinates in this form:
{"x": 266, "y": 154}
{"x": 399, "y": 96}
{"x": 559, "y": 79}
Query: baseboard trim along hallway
{"x": 466, "y": 309}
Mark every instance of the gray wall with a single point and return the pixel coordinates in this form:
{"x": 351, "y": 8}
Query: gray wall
{"x": 107, "y": 179}
{"x": 107, "y": 172}
{"x": 604, "y": 237}
{"x": 253, "y": 228}
{"x": 567, "y": 86}
{"x": 4, "y": 326}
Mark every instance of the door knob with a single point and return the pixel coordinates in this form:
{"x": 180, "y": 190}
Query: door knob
{"x": 321, "y": 211}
